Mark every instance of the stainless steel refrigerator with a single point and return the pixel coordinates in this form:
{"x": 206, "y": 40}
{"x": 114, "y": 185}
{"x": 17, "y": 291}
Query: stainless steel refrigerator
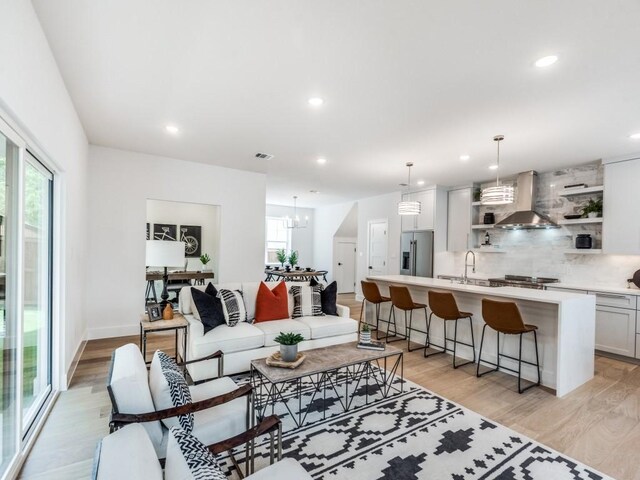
{"x": 416, "y": 253}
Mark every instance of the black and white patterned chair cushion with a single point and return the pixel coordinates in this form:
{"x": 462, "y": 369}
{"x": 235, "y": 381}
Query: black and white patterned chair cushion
{"x": 169, "y": 389}
{"x": 307, "y": 301}
{"x": 187, "y": 457}
{"x": 233, "y": 306}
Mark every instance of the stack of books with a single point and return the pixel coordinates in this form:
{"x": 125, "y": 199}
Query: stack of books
{"x": 372, "y": 345}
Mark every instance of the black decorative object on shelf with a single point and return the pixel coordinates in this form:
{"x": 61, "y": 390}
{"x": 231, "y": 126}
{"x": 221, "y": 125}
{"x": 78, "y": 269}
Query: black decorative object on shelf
{"x": 584, "y": 241}
{"x": 489, "y": 218}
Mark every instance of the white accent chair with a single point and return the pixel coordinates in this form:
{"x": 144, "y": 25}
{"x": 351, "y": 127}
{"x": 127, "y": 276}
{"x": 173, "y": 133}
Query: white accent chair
{"x": 221, "y": 409}
{"x": 129, "y": 453}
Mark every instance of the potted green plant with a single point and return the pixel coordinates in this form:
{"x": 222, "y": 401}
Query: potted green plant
{"x": 593, "y": 208}
{"x": 477, "y": 194}
{"x": 204, "y": 259}
{"x": 289, "y": 345}
{"x": 281, "y": 255}
{"x": 293, "y": 258}
{"x": 365, "y": 333}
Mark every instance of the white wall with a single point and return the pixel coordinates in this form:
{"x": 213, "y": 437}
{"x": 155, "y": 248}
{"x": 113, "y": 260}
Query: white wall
{"x": 182, "y": 213}
{"x": 301, "y": 238}
{"x": 35, "y": 98}
{"x": 120, "y": 183}
{"x": 327, "y": 221}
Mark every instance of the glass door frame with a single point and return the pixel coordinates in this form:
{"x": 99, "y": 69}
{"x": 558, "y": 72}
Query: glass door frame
{"x": 25, "y": 435}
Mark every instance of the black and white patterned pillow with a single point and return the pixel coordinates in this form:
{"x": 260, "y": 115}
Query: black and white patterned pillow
{"x": 202, "y": 464}
{"x": 307, "y": 301}
{"x": 233, "y": 306}
{"x": 178, "y": 388}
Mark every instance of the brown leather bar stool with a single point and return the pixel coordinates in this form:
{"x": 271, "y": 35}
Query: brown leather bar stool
{"x": 504, "y": 317}
{"x": 444, "y": 306}
{"x": 372, "y": 295}
{"x": 401, "y": 299}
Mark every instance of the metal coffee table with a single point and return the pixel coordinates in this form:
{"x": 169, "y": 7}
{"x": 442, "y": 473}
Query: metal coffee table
{"x": 335, "y": 368}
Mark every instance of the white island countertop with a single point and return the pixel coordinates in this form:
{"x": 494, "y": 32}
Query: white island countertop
{"x": 515, "y": 293}
{"x": 565, "y": 321}
{"x": 597, "y": 288}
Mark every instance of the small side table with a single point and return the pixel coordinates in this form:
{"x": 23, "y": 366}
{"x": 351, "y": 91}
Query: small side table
{"x": 178, "y": 323}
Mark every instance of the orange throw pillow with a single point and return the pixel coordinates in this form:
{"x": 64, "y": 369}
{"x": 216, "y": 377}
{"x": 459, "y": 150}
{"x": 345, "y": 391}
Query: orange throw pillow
{"x": 272, "y": 304}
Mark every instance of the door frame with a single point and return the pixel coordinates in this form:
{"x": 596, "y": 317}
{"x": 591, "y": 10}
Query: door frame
{"x": 369, "y": 224}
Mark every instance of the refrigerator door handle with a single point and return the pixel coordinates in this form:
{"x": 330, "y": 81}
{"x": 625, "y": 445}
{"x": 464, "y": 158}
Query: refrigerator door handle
{"x": 414, "y": 265}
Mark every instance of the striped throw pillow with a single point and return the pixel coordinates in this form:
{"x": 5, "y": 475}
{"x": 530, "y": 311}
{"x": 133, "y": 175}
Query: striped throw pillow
{"x": 307, "y": 301}
{"x": 232, "y": 306}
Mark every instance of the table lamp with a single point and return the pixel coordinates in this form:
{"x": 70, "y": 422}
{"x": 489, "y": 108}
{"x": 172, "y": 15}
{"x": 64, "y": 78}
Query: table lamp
{"x": 161, "y": 253}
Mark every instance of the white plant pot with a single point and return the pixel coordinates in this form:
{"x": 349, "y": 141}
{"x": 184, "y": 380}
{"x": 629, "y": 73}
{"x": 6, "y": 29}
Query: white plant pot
{"x": 592, "y": 214}
{"x": 365, "y": 337}
{"x": 289, "y": 353}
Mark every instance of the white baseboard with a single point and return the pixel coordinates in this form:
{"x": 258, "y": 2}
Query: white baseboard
{"x": 359, "y": 297}
{"x": 66, "y": 378}
{"x": 110, "y": 332}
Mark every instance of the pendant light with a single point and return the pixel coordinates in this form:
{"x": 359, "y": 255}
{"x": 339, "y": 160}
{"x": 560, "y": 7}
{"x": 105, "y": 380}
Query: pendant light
{"x": 500, "y": 194}
{"x": 294, "y": 222}
{"x": 407, "y": 207}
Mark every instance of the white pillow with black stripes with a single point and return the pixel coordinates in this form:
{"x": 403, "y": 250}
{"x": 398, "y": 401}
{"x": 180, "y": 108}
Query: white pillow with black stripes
{"x": 169, "y": 389}
{"x": 307, "y": 301}
{"x": 189, "y": 458}
{"x": 233, "y": 306}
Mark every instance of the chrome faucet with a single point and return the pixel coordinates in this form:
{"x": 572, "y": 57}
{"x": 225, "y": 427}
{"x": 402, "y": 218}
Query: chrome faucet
{"x": 465, "y": 279}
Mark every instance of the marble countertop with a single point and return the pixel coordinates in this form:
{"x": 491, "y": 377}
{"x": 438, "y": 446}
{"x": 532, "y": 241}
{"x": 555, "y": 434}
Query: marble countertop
{"x": 545, "y": 296}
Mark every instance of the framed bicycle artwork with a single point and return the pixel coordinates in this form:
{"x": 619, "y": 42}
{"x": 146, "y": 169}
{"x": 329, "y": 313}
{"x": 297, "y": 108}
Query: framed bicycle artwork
{"x": 191, "y": 235}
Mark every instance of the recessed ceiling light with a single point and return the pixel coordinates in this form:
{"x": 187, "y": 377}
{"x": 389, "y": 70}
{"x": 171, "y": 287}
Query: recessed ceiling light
{"x": 315, "y": 101}
{"x": 464, "y": 157}
{"x": 546, "y": 61}
{"x": 322, "y": 161}
{"x": 172, "y": 129}
{"x": 314, "y": 191}
{"x": 420, "y": 182}
{"x": 635, "y": 136}
{"x": 493, "y": 167}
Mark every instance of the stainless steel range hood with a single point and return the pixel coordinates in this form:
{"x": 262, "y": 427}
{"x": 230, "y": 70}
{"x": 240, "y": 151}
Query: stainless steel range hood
{"x": 525, "y": 215}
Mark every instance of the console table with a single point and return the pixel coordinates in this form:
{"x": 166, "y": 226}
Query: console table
{"x": 151, "y": 277}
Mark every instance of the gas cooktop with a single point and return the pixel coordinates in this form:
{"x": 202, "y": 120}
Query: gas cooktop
{"x": 522, "y": 281}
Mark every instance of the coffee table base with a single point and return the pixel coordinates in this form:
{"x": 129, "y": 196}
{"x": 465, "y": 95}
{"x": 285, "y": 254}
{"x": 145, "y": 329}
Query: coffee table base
{"x": 267, "y": 393}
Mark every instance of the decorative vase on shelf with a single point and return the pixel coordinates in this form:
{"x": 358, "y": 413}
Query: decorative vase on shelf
{"x": 592, "y": 214}
{"x": 167, "y": 313}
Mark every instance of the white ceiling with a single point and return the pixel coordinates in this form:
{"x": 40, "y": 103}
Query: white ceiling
{"x": 403, "y": 80}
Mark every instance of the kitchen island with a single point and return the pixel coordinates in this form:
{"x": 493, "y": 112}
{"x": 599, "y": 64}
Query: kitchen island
{"x": 565, "y": 321}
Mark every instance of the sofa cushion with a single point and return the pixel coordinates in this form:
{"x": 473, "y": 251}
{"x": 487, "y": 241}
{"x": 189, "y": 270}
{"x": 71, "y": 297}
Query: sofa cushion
{"x": 272, "y": 330}
{"x": 127, "y": 453}
{"x": 188, "y": 458}
{"x": 329, "y": 326}
{"x": 292, "y": 284}
{"x": 222, "y": 421}
{"x": 185, "y": 295}
{"x": 233, "y": 306}
{"x": 328, "y": 297}
{"x": 243, "y": 336}
{"x": 306, "y": 301}
{"x": 285, "y": 469}
{"x": 207, "y": 307}
{"x": 169, "y": 389}
{"x": 130, "y": 387}
{"x": 272, "y": 304}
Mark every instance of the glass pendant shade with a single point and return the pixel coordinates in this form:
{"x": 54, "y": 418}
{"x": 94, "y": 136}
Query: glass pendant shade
{"x": 498, "y": 195}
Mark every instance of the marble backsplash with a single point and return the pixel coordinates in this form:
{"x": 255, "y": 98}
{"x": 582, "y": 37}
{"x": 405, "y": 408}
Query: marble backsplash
{"x": 542, "y": 253}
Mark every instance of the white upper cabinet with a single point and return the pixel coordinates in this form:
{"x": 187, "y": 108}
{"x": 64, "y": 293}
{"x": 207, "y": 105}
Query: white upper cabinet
{"x": 621, "y": 222}
{"x": 459, "y": 220}
{"x": 426, "y": 219}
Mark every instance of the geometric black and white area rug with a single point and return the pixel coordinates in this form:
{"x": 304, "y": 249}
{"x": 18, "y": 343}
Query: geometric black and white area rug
{"x": 414, "y": 435}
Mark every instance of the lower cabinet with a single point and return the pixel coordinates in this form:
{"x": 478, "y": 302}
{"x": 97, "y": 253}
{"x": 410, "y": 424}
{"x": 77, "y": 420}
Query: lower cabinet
{"x": 616, "y": 330}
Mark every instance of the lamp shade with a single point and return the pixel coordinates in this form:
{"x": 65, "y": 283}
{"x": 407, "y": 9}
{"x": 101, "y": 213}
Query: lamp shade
{"x": 498, "y": 195}
{"x": 162, "y": 253}
{"x": 409, "y": 208}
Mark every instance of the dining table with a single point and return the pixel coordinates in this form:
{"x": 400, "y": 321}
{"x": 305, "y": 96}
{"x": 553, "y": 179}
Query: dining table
{"x": 292, "y": 275}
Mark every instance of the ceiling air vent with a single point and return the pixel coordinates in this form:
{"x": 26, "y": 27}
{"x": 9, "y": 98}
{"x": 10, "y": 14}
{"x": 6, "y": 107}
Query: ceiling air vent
{"x": 264, "y": 156}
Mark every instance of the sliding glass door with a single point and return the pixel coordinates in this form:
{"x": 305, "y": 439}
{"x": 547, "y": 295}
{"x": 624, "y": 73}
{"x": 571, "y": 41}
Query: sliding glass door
{"x": 26, "y": 198}
{"x": 9, "y": 420}
{"x": 36, "y": 323}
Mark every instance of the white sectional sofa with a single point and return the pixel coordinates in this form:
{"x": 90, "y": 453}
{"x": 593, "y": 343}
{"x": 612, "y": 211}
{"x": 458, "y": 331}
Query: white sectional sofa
{"x": 246, "y": 341}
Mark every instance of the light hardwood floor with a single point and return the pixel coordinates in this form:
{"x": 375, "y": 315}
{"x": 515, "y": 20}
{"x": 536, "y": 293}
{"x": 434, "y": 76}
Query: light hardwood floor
{"x": 598, "y": 424}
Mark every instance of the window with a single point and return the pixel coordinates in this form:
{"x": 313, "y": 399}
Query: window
{"x": 26, "y": 206}
{"x": 278, "y": 237}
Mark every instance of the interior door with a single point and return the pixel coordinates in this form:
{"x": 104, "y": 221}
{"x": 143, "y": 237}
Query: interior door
{"x": 377, "y": 252}
{"x": 346, "y": 267}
